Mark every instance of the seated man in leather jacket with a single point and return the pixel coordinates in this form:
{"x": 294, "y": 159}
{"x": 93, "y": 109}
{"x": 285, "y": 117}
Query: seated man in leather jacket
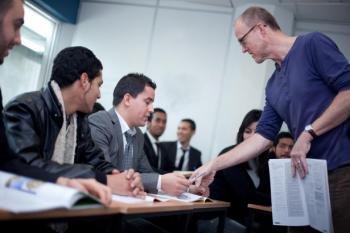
{"x": 49, "y": 128}
{"x": 13, "y": 11}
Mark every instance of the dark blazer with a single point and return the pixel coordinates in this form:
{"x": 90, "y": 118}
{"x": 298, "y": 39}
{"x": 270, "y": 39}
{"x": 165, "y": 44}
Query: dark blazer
{"x": 234, "y": 185}
{"x": 9, "y": 162}
{"x": 169, "y": 150}
{"x": 107, "y": 134}
{"x": 150, "y": 153}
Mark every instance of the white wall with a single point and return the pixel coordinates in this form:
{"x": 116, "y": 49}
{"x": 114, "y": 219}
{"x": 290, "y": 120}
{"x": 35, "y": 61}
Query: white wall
{"x": 191, "y": 53}
{"x": 182, "y": 48}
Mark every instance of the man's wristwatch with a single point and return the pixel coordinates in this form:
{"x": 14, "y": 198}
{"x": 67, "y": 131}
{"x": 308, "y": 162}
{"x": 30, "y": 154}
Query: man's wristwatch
{"x": 310, "y": 130}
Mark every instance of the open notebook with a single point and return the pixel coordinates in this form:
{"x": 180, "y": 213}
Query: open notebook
{"x": 162, "y": 197}
{"x": 22, "y": 194}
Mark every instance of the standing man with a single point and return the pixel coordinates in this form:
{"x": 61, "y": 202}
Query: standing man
{"x": 309, "y": 90}
{"x": 118, "y": 135}
{"x": 156, "y": 124}
{"x": 11, "y": 20}
{"x": 180, "y": 155}
{"x": 49, "y": 128}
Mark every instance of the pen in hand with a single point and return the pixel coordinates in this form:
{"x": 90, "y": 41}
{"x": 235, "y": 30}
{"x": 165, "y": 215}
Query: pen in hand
{"x": 193, "y": 179}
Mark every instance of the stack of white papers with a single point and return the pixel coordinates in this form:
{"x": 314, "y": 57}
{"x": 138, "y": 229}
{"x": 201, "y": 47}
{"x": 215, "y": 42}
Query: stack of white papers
{"x": 131, "y": 200}
{"x": 300, "y": 202}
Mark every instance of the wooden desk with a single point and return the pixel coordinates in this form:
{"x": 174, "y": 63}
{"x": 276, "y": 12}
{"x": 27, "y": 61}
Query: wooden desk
{"x": 155, "y": 209}
{"x": 260, "y": 207}
{"x": 115, "y": 208}
{"x": 59, "y": 213}
{"x": 214, "y": 209}
{"x": 252, "y": 209}
{"x": 122, "y": 212}
{"x": 182, "y": 209}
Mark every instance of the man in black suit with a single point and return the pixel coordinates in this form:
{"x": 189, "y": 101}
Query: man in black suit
{"x": 179, "y": 155}
{"x": 155, "y": 128}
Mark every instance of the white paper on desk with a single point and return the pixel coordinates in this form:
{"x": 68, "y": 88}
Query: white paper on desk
{"x": 300, "y": 202}
{"x": 184, "y": 197}
{"x": 131, "y": 200}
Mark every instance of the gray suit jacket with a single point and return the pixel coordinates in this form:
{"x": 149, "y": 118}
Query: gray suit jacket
{"x": 107, "y": 134}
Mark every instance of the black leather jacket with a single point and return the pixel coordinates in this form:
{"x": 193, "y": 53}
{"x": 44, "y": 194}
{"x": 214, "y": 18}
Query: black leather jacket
{"x": 9, "y": 162}
{"x": 33, "y": 121}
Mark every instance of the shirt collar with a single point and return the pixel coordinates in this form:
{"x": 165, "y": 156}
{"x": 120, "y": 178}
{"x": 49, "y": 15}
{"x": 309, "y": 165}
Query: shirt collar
{"x": 151, "y": 138}
{"x": 123, "y": 123}
{"x": 179, "y": 146}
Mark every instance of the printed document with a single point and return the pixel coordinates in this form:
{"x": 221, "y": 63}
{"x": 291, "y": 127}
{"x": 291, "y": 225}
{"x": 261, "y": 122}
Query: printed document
{"x": 300, "y": 202}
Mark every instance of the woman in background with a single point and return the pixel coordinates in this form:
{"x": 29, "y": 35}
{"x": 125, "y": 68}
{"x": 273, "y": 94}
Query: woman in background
{"x": 244, "y": 183}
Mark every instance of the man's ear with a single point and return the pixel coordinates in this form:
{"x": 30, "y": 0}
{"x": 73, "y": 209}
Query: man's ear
{"x": 84, "y": 81}
{"x": 263, "y": 29}
{"x": 126, "y": 99}
{"x": 193, "y": 133}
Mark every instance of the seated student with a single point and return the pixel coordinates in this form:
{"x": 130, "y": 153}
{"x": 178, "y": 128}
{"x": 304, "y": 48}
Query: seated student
{"x": 49, "y": 128}
{"x": 116, "y": 132}
{"x": 10, "y": 12}
{"x": 282, "y": 146}
{"x": 244, "y": 183}
{"x": 180, "y": 155}
{"x": 156, "y": 124}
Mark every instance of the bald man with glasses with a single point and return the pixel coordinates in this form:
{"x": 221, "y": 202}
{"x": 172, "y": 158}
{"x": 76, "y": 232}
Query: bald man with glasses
{"x": 310, "y": 91}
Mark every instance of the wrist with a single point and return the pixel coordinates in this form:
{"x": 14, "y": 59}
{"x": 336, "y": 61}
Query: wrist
{"x": 212, "y": 165}
{"x": 109, "y": 177}
{"x": 307, "y": 136}
{"x": 310, "y": 130}
{"x": 62, "y": 181}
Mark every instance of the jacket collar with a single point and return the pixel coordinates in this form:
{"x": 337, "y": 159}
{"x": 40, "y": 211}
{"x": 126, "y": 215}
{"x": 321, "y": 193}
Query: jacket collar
{"x": 51, "y": 102}
{"x": 113, "y": 115}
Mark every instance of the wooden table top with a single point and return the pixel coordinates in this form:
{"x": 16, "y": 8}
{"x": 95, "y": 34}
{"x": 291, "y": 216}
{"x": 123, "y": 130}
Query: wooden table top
{"x": 115, "y": 208}
{"x": 59, "y": 213}
{"x": 210, "y": 204}
{"x": 152, "y": 207}
{"x": 260, "y": 207}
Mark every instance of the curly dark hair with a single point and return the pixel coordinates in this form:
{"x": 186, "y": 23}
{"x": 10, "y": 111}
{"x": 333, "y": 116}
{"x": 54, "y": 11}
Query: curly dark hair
{"x": 71, "y": 62}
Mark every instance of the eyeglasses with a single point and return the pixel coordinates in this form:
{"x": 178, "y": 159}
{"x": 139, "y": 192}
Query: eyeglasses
{"x": 242, "y": 39}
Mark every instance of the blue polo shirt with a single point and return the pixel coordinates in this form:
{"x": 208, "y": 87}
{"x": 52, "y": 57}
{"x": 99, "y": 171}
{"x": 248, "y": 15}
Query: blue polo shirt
{"x": 301, "y": 89}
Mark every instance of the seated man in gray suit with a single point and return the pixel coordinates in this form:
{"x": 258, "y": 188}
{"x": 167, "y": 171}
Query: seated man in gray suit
{"x": 133, "y": 103}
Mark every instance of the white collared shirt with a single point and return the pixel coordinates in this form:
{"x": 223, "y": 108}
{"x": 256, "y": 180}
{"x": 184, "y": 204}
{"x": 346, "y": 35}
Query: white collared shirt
{"x": 124, "y": 126}
{"x": 153, "y": 142}
{"x": 179, "y": 153}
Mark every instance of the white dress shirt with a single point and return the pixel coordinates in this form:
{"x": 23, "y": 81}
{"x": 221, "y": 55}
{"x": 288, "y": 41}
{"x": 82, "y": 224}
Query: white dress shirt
{"x": 125, "y": 128}
{"x": 179, "y": 154}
